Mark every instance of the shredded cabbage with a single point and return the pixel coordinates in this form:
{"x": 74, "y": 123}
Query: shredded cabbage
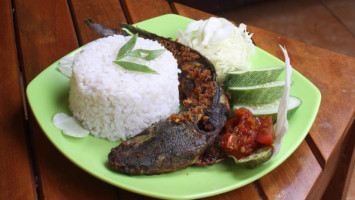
{"x": 227, "y": 46}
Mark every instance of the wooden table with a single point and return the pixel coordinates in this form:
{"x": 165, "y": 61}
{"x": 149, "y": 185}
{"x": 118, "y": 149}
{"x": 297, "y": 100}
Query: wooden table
{"x": 36, "y": 33}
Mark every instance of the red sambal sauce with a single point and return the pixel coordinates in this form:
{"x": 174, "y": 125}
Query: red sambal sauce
{"x": 244, "y": 133}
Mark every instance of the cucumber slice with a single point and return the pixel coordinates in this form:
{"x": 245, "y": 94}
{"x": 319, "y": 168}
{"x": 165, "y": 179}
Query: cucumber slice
{"x": 272, "y": 108}
{"x": 257, "y": 158}
{"x": 252, "y": 77}
{"x": 258, "y": 94}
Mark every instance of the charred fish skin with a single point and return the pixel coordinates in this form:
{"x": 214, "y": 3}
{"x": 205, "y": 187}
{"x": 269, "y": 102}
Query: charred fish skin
{"x": 171, "y": 144}
{"x": 163, "y": 147}
{"x": 103, "y": 30}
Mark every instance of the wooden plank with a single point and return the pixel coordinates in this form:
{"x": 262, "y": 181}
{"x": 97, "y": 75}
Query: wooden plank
{"x": 16, "y": 176}
{"x": 61, "y": 179}
{"x": 244, "y": 193}
{"x": 190, "y": 12}
{"x": 46, "y": 33}
{"x": 139, "y": 10}
{"x": 331, "y": 169}
{"x": 338, "y": 185}
{"x": 213, "y": 6}
{"x": 316, "y": 25}
{"x": 344, "y": 10}
{"x": 323, "y": 181}
{"x": 294, "y": 178}
{"x": 108, "y": 13}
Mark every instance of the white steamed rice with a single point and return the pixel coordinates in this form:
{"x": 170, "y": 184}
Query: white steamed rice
{"x": 115, "y": 103}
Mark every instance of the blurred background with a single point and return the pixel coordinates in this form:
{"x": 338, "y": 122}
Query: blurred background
{"x": 328, "y": 24}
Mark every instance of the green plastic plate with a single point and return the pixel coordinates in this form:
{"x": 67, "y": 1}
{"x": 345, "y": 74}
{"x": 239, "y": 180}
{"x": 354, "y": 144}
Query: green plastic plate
{"x": 90, "y": 153}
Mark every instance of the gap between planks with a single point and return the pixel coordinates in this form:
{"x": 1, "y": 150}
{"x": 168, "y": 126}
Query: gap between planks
{"x": 27, "y": 130}
{"x": 260, "y": 190}
{"x": 125, "y": 11}
{"x": 336, "y": 17}
{"x": 74, "y": 23}
{"x": 315, "y": 151}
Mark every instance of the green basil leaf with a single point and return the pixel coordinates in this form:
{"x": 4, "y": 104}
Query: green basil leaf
{"x": 127, "y": 47}
{"x": 135, "y": 67}
{"x": 151, "y": 54}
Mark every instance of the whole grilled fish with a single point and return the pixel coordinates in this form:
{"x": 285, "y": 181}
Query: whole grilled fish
{"x": 187, "y": 137}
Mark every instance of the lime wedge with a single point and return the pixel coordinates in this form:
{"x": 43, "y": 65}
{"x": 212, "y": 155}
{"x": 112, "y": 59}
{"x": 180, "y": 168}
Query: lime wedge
{"x": 258, "y": 94}
{"x": 272, "y": 108}
{"x": 252, "y": 77}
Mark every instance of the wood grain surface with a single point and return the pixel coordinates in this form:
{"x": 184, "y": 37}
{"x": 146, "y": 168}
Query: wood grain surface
{"x": 139, "y": 10}
{"x": 108, "y": 13}
{"x": 46, "y": 33}
{"x": 338, "y": 186}
{"x": 16, "y": 172}
{"x": 294, "y": 178}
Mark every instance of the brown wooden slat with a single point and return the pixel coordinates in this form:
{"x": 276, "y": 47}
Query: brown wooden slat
{"x": 108, "y": 13}
{"x": 338, "y": 185}
{"x": 330, "y": 170}
{"x": 294, "y": 178}
{"x": 190, "y": 12}
{"x": 124, "y": 194}
{"x": 16, "y": 177}
{"x": 212, "y": 6}
{"x": 61, "y": 179}
{"x": 305, "y": 20}
{"x": 139, "y": 10}
{"x": 46, "y": 33}
{"x": 344, "y": 10}
{"x": 244, "y": 193}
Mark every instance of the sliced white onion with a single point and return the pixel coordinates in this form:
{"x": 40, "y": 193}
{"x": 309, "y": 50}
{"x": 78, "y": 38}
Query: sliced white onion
{"x": 281, "y": 125}
{"x": 65, "y": 65}
{"x": 69, "y": 125}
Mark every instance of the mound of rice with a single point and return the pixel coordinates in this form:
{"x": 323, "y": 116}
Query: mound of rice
{"x": 115, "y": 103}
